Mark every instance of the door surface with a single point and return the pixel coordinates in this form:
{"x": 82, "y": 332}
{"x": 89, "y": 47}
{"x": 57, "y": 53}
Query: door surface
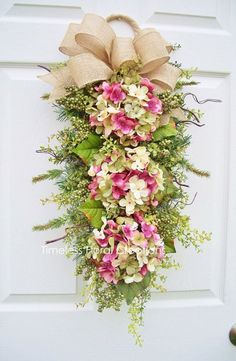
{"x": 38, "y": 291}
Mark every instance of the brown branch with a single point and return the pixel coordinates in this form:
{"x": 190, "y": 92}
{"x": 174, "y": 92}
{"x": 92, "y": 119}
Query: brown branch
{"x": 39, "y": 151}
{"x": 62, "y": 237}
{"x": 180, "y": 184}
{"x": 190, "y": 122}
{"x": 186, "y": 204}
{"x": 44, "y": 67}
{"x": 56, "y": 240}
{"x": 201, "y": 101}
{"x": 189, "y": 204}
{"x": 192, "y": 113}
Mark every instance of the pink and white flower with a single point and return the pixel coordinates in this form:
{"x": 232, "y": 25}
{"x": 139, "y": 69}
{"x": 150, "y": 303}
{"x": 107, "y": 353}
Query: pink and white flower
{"x": 154, "y": 105}
{"x": 134, "y": 187}
{"x": 131, "y": 250}
{"x": 130, "y": 112}
{"x": 113, "y": 92}
{"x": 146, "y": 82}
{"x": 107, "y": 272}
{"x": 123, "y": 123}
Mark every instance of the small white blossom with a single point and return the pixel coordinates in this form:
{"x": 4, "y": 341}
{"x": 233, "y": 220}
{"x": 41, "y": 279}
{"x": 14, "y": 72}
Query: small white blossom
{"x": 129, "y": 204}
{"x": 139, "y": 92}
{"x": 138, "y": 187}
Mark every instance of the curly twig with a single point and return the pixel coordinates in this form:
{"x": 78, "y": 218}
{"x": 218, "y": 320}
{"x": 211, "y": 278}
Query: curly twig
{"x": 186, "y": 204}
{"x": 180, "y": 184}
{"x": 190, "y": 122}
{"x": 201, "y": 101}
{"x": 192, "y": 113}
{"x": 189, "y": 204}
{"x": 44, "y": 67}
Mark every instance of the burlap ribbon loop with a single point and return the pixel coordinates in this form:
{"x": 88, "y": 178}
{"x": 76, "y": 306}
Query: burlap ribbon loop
{"x": 122, "y": 51}
{"x": 151, "y": 48}
{"x": 123, "y": 48}
{"x": 96, "y": 35}
{"x": 95, "y": 51}
{"x": 165, "y": 76}
{"x": 98, "y": 70}
{"x": 68, "y": 45}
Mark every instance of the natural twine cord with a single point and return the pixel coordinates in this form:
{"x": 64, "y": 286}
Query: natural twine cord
{"x": 134, "y": 25}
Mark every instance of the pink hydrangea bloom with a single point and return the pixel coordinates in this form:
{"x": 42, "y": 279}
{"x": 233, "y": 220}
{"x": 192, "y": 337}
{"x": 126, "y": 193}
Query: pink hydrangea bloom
{"x": 146, "y": 82}
{"x": 148, "y": 229}
{"x": 111, "y": 224}
{"x": 119, "y": 184}
{"x": 161, "y": 253}
{"x": 123, "y": 123}
{"x": 138, "y": 217}
{"x": 117, "y": 192}
{"x": 149, "y": 136}
{"x": 120, "y": 180}
{"x": 156, "y": 238}
{"x": 103, "y": 242}
{"x": 96, "y": 168}
{"x": 107, "y": 272}
{"x": 93, "y": 187}
{"x": 151, "y": 182}
{"x": 107, "y": 159}
{"x": 109, "y": 257}
{"x": 113, "y": 92}
{"x": 144, "y": 270}
{"x": 128, "y": 232}
{"x": 112, "y": 233}
{"x": 154, "y": 105}
{"x": 119, "y": 238}
{"x": 93, "y": 121}
{"x": 138, "y": 138}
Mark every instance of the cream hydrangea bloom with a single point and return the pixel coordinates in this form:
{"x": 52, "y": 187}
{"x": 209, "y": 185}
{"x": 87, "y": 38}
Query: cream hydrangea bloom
{"x": 155, "y": 169}
{"x": 152, "y": 263}
{"x": 137, "y": 277}
{"x": 128, "y": 203}
{"x": 101, "y": 103}
{"x": 139, "y": 157}
{"x": 138, "y": 188}
{"x": 134, "y": 110}
{"x": 139, "y": 92}
{"x": 104, "y": 170}
{"x": 142, "y": 257}
{"x": 105, "y": 109}
{"x": 106, "y": 186}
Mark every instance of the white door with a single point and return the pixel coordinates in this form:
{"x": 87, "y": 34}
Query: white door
{"x": 38, "y": 318}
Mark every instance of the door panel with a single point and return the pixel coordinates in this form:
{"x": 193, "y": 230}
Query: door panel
{"x": 38, "y": 289}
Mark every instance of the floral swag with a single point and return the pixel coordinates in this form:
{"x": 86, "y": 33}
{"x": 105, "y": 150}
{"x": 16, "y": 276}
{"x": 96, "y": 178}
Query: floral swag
{"x": 121, "y": 161}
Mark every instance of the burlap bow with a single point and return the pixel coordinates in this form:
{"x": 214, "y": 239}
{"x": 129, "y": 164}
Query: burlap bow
{"x": 95, "y": 52}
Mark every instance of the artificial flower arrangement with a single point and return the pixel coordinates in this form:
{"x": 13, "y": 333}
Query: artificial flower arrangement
{"x": 121, "y": 161}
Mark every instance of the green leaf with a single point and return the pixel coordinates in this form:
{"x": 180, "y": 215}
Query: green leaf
{"x": 131, "y": 290}
{"x": 94, "y": 211}
{"x": 88, "y": 147}
{"x": 166, "y": 131}
{"x": 170, "y": 246}
{"x": 169, "y": 191}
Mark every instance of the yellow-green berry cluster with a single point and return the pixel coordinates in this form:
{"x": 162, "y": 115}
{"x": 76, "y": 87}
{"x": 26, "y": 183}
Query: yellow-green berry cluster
{"x": 75, "y": 98}
{"x": 171, "y": 100}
